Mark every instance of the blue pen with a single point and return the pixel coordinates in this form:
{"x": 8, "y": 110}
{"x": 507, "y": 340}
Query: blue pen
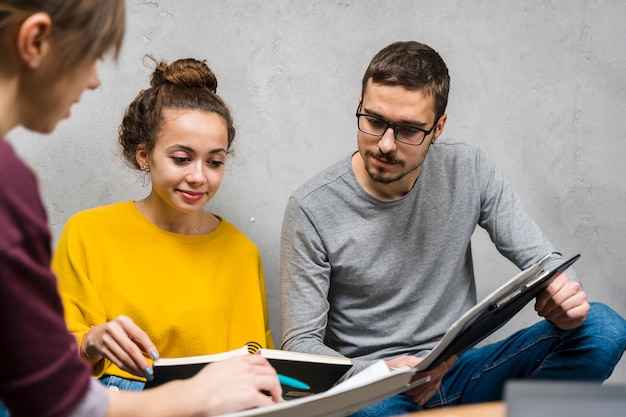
{"x": 292, "y": 382}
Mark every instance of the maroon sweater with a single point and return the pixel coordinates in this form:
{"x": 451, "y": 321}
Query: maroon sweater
{"x": 41, "y": 373}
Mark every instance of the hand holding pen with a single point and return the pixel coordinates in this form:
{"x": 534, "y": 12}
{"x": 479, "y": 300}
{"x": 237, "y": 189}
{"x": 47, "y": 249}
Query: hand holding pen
{"x": 288, "y": 381}
{"x": 240, "y": 382}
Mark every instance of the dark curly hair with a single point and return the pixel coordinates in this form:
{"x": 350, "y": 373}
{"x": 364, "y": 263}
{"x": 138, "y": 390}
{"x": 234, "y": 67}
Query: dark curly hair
{"x": 184, "y": 84}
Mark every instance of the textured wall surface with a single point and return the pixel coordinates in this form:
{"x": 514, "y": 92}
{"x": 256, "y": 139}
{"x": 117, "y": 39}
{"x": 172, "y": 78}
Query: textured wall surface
{"x": 540, "y": 85}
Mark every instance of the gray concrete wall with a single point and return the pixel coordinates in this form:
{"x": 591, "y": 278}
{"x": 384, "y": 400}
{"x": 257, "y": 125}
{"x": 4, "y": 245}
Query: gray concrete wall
{"x": 539, "y": 84}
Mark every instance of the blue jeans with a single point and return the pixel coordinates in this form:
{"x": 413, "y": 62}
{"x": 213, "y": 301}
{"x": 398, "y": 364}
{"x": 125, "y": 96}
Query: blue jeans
{"x": 587, "y": 353}
{"x": 116, "y": 383}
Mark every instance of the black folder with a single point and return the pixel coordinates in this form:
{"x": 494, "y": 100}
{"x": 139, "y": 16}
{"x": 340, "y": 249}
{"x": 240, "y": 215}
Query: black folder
{"x": 496, "y": 309}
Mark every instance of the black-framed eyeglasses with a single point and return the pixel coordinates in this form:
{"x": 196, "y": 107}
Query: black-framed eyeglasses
{"x": 408, "y": 134}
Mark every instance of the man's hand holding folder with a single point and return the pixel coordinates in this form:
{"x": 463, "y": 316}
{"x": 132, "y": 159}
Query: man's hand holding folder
{"x": 424, "y": 391}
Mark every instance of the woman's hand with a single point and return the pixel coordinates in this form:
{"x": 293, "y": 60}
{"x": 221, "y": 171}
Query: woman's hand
{"x": 122, "y": 342}
{"x": 235, "y": 384}
{"x": 222, "y": 387}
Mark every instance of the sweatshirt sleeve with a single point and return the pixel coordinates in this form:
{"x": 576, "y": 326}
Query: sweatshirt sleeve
{"x": 515, "y": 234}
{"x": 42, "y": 374}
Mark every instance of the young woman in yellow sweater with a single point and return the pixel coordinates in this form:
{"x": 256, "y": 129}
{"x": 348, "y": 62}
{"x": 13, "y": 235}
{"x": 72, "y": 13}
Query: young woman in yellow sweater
{"x": 161, "y": 276}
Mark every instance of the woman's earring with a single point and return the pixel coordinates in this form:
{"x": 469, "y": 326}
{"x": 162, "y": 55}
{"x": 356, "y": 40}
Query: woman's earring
{"x": 145, "y": 168}
{"x": 34, "y": 63}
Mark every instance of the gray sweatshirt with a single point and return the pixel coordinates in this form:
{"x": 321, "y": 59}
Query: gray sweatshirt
{"x": 371, "y": 279}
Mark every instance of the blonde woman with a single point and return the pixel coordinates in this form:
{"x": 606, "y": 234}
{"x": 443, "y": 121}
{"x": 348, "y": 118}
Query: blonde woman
{"x": 48, "y": 51}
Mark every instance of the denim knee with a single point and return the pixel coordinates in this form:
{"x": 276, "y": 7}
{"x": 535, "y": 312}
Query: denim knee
{"x": 606, "y": 322}
{"x": 608, "y": 331}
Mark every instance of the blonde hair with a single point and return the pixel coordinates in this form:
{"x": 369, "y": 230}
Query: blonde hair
{"x": 81, "y": 29}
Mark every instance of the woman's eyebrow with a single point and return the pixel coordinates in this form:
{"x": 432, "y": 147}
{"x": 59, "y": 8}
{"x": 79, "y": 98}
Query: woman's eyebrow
{"x": 192, "y": 151}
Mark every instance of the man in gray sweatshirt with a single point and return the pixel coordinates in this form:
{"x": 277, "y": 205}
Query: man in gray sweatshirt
{"x": 376, "y": 259}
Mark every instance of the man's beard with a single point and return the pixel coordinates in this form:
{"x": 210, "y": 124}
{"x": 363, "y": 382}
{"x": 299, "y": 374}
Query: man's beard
{"x": 379, "y": 174}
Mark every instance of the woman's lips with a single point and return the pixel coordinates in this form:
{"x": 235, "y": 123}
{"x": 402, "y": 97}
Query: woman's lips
{"x": 191, "y": 196}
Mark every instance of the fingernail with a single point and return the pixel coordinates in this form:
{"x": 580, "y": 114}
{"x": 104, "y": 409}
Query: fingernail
{"x": 154, "y": 355}
{"x": 149, "y": 374}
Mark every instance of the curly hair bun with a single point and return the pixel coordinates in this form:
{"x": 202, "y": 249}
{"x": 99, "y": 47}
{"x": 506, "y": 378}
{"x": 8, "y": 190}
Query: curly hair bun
{"x": 187, "y": 72}
{"x": 186, "y": 84}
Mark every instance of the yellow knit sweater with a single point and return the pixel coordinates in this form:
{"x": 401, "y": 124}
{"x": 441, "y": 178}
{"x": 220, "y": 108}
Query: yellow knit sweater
{"x": 192, "y": 295}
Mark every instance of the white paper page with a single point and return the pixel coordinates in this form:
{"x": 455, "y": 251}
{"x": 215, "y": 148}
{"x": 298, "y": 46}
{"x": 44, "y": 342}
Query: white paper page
{"x": 374, "y": 372}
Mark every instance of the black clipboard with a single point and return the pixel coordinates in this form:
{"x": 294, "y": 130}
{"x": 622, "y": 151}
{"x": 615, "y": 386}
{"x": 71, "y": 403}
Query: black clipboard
{"x": 495, "y": 310}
